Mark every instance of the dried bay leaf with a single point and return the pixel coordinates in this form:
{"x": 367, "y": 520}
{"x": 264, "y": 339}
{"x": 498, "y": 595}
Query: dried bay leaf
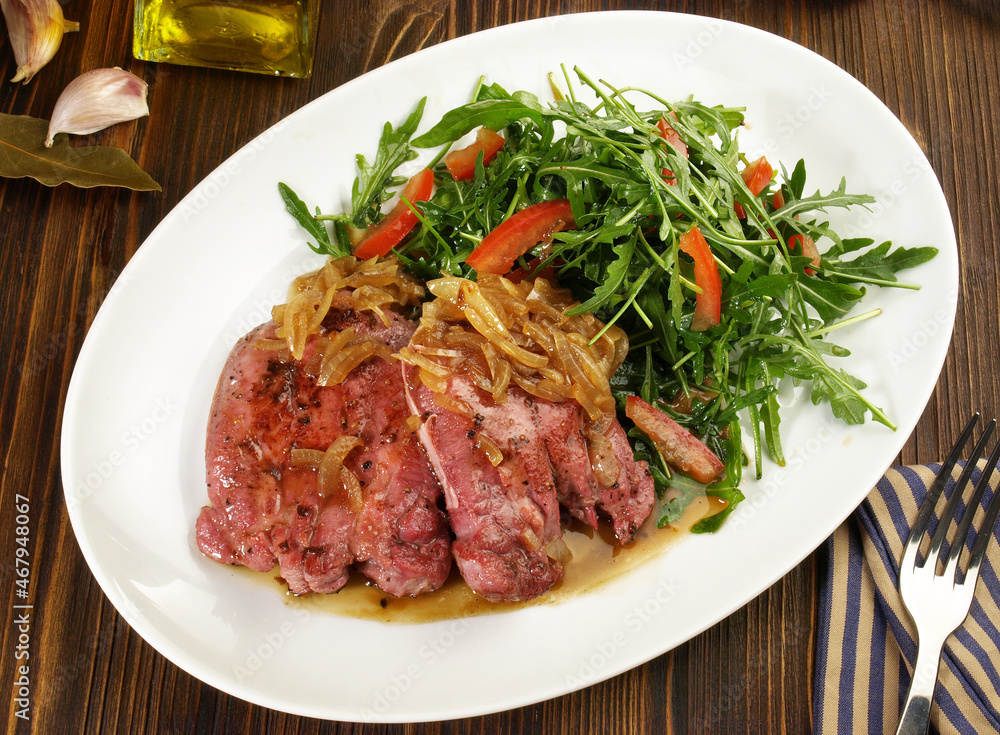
{"x": 22, "y": 153}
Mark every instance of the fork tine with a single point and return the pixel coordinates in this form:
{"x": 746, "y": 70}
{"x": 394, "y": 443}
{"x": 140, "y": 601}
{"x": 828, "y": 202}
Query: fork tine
{"x": 956, "y": 496}
{"x": 970, "y": 509}
{"x": 992, "y": 510}
{"x": 933, "y": 493}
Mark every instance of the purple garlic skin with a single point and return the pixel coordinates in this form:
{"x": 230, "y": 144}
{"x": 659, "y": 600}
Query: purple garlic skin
{"x": 96, "y": 100}
{"x": 36, "y": 28}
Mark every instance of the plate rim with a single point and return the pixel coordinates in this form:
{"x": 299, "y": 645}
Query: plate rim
{"x": 176, "y": 655}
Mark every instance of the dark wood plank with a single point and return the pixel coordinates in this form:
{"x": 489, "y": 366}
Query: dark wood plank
{"x": 936, "y": 65}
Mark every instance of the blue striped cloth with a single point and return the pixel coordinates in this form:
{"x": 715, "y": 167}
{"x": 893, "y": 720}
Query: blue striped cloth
{"x": 866, "y": 644}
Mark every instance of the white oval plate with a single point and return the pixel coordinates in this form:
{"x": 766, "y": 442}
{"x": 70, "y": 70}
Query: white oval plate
{"x": 133, "y": 435}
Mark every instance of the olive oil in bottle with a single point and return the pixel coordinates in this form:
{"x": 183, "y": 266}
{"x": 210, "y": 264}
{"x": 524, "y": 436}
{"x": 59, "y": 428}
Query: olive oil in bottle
{"x": 265, "y": 36}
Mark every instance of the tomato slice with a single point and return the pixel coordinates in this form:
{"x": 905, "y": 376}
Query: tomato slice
{"x": 806, "y": 246}
{"x": 756, "y": 176}
{"x": 779, "y": 199}
{"x": 461, "y": 164}
{"x": 708, "y": 305}
{"x": 678, "y": 446}
{"x": 670, "y": 135}
{"x": 388, "y": 232}
{"x": 520, "y": 232}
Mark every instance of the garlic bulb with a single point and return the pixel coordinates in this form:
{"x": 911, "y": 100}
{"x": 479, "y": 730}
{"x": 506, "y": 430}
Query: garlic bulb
{"x": 97, "y": 99}
{"x": 36, "y": 28}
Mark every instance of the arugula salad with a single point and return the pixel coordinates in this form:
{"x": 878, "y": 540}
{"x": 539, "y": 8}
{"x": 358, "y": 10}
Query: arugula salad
{"x": 721, "y": 270}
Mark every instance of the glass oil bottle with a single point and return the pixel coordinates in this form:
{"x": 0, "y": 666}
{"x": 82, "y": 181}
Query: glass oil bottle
{"x": 265, "y": 36}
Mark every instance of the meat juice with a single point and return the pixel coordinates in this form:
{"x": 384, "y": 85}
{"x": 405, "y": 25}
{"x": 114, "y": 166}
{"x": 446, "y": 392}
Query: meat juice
{"x": 596, "y": 560}
{"x": 266, "y": 36}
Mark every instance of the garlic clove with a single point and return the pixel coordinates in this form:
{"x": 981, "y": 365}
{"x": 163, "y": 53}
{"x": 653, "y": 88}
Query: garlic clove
{"x": 36, "y": 28}
{"x": 97, "y": 99}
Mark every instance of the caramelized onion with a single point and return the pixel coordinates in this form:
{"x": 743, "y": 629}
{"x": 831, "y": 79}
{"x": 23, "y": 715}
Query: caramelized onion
{"x": 531, "y": 539}
{"x": 558, "y": 550}
{"x": 362, "y": 285}
{"x": 306, "y": 458}
{"x": 270, "y": 344}
{"x": 450, "y": 404}
{"x": 343, "y": 362}
{"x": 352, "y": 486}
{"x": 489, "y": 448}
{"x": 334, "y": 478}
{"x": 498, "y": 333}
{"x": 603, "y": 460}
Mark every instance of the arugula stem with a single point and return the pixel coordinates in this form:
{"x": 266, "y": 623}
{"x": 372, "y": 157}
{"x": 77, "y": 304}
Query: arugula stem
{"x": 622, "y": 259}
{"x": 844, "y": 323}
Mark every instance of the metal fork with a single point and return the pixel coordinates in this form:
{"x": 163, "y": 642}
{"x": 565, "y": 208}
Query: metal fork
{"x": 939, "y": 603}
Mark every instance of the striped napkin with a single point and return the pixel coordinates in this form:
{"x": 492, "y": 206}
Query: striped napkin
{"x": 866, "y": 644}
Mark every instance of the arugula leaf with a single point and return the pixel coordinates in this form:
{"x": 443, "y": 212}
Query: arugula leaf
{"x": 297, "y": 208}
{"x": 369, "y": 190}
{"x": 879, "y": 265}
{"x": 841, "y": 390}
{"x": 831, "y": 300}
{"x": 632, "y": 194}
{"x": 611, "y": 281}
{"x": 496, "y": 114}
{"x": 673, "y": 509}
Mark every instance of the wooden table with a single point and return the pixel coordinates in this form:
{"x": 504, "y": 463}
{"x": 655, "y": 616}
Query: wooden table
{"x": 936, "y": 64}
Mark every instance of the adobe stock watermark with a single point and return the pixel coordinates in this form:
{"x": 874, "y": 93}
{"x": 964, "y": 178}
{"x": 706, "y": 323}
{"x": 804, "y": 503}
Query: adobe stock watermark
{"x": 785, "y": 126}
{"x": 698, "y": 43}
{"x": 886, "y": 198}
{"x": 131, "y": 439}
{"x": 269, "y": 644}
{"x": 777, "y": 479}
{"x": 912, "y": 344}
{"x": 260, "y": 309}
{"x": 590, "y": 665}
{"x": 432, "y": 651}
{"x": 21, "y": 610}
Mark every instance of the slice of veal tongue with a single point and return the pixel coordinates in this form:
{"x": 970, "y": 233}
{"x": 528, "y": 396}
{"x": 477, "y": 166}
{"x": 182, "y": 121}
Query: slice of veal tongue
{"x": 266, "y": 511}
{"x": 505, "y": 517}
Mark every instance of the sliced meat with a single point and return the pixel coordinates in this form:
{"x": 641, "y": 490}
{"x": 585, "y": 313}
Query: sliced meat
{"x": 627, "y": 502}
{"x": 400, "y": 538}
{"x": 264, "y": 511}
{"x": 577, "y": 487}
{"x": 503, "y": 516}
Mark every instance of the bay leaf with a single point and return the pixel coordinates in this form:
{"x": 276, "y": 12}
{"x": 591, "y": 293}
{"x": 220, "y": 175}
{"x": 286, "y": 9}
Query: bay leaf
{"x": 23, "y": 153}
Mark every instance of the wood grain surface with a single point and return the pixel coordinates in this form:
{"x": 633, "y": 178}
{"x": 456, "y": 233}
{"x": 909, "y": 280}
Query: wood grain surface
{"x": 936, "y": 64}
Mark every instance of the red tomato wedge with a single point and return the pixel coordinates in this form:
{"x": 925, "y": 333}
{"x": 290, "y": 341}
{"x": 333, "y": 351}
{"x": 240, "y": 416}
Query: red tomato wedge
{"x": 756, "y": 176}
{"x": 708, "y": 306}
{"x": 520, "y": 232}
{"x": 805, "y": 245}
{"x": 779, "y": 199}
{"x": 670, "y": 135}
{"x": 461, "y": 164}
{"x": 391, "y": 229}
{"x": 678, "y": 446}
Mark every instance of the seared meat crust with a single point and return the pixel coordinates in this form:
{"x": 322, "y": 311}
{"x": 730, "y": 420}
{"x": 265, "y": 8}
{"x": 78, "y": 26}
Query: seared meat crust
{"x": 264, "y": 511}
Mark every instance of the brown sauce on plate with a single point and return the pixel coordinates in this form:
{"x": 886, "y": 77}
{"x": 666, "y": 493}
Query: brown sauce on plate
{"x": 595, "y": 561}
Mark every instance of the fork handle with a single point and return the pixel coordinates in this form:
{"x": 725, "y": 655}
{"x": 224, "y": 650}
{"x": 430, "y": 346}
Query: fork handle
{"x": 916, "y": 717}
